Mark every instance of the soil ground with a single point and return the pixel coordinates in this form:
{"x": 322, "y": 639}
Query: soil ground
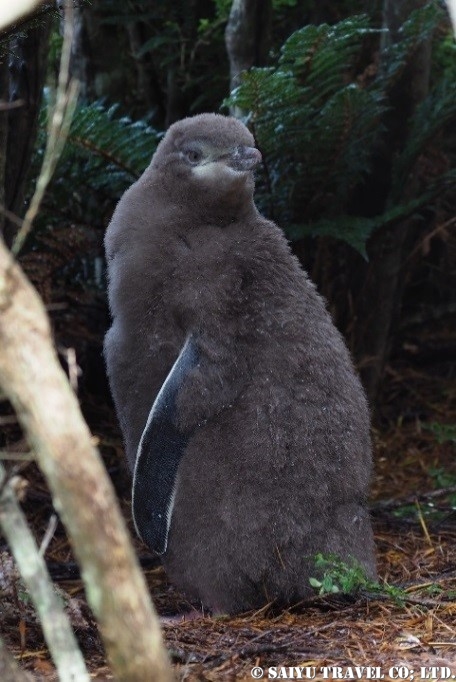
{"x": 414, "y": 514}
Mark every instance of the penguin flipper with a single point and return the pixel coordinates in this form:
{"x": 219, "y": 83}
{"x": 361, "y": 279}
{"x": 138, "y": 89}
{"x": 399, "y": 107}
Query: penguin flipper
{"x": 159, "y": 452}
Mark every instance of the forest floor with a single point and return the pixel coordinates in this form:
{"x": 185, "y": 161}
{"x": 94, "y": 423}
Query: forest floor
{"x": 403, "y": 633}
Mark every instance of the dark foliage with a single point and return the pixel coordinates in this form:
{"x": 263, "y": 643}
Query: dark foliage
{"x": 320, "y": 115}
{"x": 319, "y": 124}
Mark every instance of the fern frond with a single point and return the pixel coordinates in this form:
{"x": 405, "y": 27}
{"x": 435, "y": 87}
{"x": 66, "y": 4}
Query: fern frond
{"x": 118, "y": 141}
{"x": 418, "y": 28}
{"x": 319, "y": 56}
{"x": 319, "y": 130}
{"x": 432, "y": 115}
{"x": 103, "y": 155}
{"x": 356, "y": 230}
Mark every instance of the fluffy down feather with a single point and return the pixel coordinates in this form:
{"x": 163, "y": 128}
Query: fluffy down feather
{"x": 264, "y": 423}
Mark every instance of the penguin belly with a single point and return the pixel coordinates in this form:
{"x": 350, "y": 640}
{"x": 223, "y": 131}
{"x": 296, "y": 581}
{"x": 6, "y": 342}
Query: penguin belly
{"x": 252, "y": 509}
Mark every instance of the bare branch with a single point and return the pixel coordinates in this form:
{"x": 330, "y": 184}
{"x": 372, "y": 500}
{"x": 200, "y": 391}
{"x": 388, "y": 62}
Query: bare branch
{"x": 16, "y": 456}
{"x": 56, "y": 626}
{"x": 11, "y": 11}
{"x": 48, "y": 411}
{"x": 60, "y": 120}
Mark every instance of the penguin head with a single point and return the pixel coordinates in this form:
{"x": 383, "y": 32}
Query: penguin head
{"x": 208, "y": 158}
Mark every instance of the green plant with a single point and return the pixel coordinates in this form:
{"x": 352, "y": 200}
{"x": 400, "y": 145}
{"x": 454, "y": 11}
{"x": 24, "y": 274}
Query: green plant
{"x": 104, "y": 154}
{"x": 320, "y": 124}
{"x": 444, "y": 433}
{"x": 336, "y": 576}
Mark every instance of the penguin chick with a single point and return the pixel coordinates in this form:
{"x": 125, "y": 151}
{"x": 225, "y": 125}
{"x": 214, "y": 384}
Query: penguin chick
{"x": 245, "y": 425}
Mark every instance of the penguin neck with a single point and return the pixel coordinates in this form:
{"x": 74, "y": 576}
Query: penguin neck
{"x": 225, "y": 211}
{"x": 205, "y": 209}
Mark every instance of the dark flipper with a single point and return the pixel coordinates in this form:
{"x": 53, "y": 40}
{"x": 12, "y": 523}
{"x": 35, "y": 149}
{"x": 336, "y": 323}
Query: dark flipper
{"x": 160, "y": 450}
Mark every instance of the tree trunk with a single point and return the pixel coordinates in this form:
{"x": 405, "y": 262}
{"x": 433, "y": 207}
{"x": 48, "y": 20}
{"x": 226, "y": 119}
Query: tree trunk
{"x": 47, "y": 409}
{"x": 27, "y": 70}
{"x": 148, "y": 91}
{"x": 247, "y": 36}
{"x": 97, "y": 55}
{"x": 379, "y": 302}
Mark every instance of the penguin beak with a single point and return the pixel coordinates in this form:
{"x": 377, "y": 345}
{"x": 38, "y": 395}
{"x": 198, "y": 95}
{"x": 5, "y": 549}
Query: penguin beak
{"x": 244, "y": 158}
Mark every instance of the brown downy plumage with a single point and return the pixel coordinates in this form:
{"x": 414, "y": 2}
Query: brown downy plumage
{"x": 244, "y": 421}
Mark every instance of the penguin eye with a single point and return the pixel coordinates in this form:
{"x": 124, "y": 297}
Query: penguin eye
{"x": 193, "y": 156}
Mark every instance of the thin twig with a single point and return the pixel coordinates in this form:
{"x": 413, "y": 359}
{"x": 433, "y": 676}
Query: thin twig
{"x": 440, "y": 228}
{"x": 423, "y": 524}
{"x": 7, "y": 106}
{"x": 74, "y": 371}
{"x": 11, "y": 216}
{"x": 56, "y": 626}
{"x": 17, "y": 456}
{"x": 49, "y": 534}
{"x": 384, "y": 505}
